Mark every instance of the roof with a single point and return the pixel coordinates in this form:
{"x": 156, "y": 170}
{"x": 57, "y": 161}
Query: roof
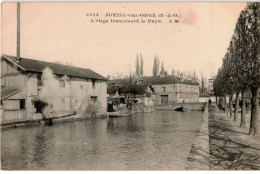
{"x": 136, "y": 89}
{"x": 168, "y": 79}
{"x": 156, "y": 80}
{"x": 7, "y": 92}
{"x": 142, "y": 89}
{"x": 188, "y": 82}
{"x": 32, "y": 65}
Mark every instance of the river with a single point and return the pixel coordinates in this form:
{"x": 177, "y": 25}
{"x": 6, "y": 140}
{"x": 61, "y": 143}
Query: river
{"x": 146, "y": 141}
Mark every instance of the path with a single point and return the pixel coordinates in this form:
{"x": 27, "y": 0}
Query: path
{"x": 231, "y": 148}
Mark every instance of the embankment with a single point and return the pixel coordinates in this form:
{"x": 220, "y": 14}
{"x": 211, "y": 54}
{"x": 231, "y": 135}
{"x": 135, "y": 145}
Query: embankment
{"x": 57, "y": 118}
{"x": 173, "y": 106}
{"x": 198, "y": 158}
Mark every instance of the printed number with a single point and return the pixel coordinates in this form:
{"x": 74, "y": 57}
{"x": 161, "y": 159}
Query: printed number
{"x": 92, "y": 14}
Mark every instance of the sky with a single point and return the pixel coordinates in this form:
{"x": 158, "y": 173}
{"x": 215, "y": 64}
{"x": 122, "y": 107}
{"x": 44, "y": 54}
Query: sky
{"x": 62, "y": 32}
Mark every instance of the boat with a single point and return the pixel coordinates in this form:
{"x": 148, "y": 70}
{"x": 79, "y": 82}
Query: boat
{"x": 180, "y": 109}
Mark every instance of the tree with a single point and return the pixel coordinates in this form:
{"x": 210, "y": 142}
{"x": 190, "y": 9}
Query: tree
{"x": 227, "y": 82}
{"x": 241, "y": 64}
{"x": 137, "y": 66}
{"x": 252, "y": 25}
{"x": 128, "y": 88}
{"x": 178, "y": 74}
{"x": 173, "y": 72}
{"x": 181, "y": 75}
{"x": 241, "y": 70}
{"x": 194, "y": 76}
{"x": 163, "y": 71}
{"x": 217, "y": 86}
{"x": 202, "y": 82}
{"x": 141, "y": 65}
{"x": 156, "y": 64}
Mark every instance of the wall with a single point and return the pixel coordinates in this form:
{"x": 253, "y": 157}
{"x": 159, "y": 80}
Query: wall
{"x": 7, "y": 67}
{"x": 12, "y": 110}
{"x": 10, "y": 116}
{"x": 76, "y": 89}
{"x": 31, "y": 92}
{"x": 170, "y": 91}
{"x": 147, "y": 101}
{"x": 12, "y": 78}
{"x": 203, "y": 99}
{"x": 15, "y": 81}
{"x": 82, "y": 89}
{"x": 192, "y": 106}
{"x": 188, "y": 93}
{"x": 177, "y": 93}
{"x": 168, "y": 88}
{"x": 58, "y": 96}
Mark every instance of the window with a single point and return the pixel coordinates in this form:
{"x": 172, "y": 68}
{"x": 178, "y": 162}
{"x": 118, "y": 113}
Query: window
{"x": 22, "y": 104}
{"x": 163, "y": 89}
{"x": 93, "y": 99}
{"x": 39, "y": 80}
{"x": 39, "y": 106}
{"x": 62, "y": 83}
{"x": 93, "y": 83}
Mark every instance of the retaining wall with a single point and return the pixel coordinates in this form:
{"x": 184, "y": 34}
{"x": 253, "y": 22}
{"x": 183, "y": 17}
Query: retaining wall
{"x": 191, "y": 106}
{"x": 198, "y": 158}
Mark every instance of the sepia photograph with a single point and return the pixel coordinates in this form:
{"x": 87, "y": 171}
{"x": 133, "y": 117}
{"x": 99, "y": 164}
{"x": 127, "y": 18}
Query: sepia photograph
{"x": 123, "y": 86}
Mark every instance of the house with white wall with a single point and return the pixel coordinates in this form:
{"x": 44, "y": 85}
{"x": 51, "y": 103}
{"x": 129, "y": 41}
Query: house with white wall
{"x": 171, "y": 89}
{"x": 25, "y": 89}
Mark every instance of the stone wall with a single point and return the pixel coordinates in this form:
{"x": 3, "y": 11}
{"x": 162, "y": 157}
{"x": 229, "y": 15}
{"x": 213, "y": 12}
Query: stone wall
{"x": 198, "y": 158}
{"x": 191, "y": 106}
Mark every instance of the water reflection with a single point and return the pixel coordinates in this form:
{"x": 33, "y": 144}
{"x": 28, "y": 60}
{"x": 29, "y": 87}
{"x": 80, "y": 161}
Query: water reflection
{"x": 157, "y": 141}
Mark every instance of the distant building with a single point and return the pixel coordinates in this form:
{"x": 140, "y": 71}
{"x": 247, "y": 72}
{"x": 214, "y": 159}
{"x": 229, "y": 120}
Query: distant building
{"x": 21, "y": 83}
{"x": 170, "y": 89}
{"x": 204, "y": 97}
{"x": 143, "y": 94}
{"x": 211, "y": 86}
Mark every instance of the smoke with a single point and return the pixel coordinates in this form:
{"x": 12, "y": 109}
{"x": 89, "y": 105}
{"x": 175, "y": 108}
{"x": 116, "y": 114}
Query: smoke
{"x": 52, "y": 93}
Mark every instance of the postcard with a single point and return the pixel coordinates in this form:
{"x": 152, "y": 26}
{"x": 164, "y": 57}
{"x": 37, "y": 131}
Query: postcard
{"x": 130, "y": 86}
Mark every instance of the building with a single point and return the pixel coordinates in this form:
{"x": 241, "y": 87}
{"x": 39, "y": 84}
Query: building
{"x": 204, "y": 97}
{"x": 170, "y": 89}
{"x": 145, "y": 94}
{"x": 27, "y": 87}
{"x": 142, "y": 93}
{"x": 211, "y": 86}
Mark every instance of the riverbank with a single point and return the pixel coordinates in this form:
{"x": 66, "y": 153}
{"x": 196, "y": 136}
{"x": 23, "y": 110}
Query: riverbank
{"x": 198, "y": 158}
{"x": 230, "y": 146}
{"x": 190, "y": 106}
{"x": 61, "y": 119}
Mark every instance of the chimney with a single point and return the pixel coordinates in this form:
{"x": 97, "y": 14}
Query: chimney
{"x": 18, "y": 32}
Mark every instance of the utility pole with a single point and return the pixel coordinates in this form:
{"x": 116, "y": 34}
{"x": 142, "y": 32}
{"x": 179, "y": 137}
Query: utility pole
{"x": 18, "y": 32}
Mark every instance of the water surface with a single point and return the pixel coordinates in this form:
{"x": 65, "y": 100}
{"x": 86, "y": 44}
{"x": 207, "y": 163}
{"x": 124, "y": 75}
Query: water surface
{"x": 145, "y": 141}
